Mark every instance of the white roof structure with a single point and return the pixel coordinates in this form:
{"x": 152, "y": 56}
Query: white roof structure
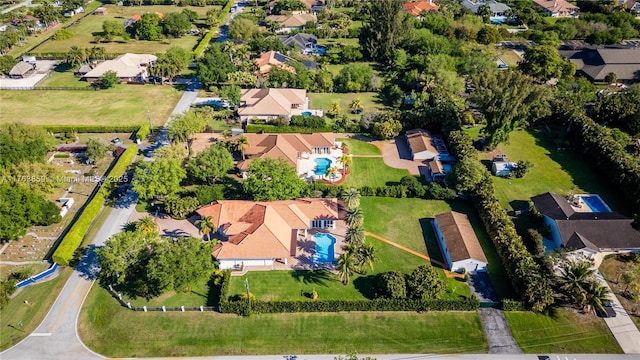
{"x": 126, "y": 65}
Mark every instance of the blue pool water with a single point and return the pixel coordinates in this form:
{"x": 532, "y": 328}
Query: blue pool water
{"x": 595, "y": 203}
{"x": 306, "y": 113}
{"x": 324, "y": 248}
{"x": 322, "y": 164}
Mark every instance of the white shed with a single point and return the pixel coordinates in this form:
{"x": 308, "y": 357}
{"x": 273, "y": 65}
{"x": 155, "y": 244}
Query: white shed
{"x": 459, "y": 243}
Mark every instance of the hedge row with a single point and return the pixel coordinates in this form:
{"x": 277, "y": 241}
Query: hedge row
{"x": 75, "y": 235}
{"x": 61, "y": 55}
{"x": 98, "y": 129}
{"x": 274, "y": 129}
{"x": 267, "y": 307}
{"x": 513, "y": 305}
{"x": 525, "y": 274}
{"x": 206, "y": 39}
{"x": 143, "y": 132}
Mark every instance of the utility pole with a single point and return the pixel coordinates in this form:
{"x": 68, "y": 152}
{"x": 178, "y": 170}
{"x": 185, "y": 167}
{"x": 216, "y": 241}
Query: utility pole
{"x": 149, "y": 118}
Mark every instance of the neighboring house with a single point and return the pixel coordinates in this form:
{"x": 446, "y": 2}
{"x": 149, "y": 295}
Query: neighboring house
{"x": 261, "y": 233}
{"x": 129, "y": 67}
{"x": 71, "y": 13}
{"x": 271, "y": 59}
{"x": 100, "y": 11}
{"x": 558, "y": 8}
{"x": 436, "y": 170}
{"x": 502, "y": 168}
{"x": 270, "y": 103}
{"x": 291, "y": 22}
{"x": 596, "y": 63}
{"x": 300, "y": 41}
{"x": 498, "y": 10}
{"x": 586, "y": 224}
{"x": 32, "y": 23}
{"x": 632, "y": 5}
{"x": 460, "y": 246}
{"x": 296, "y": 149}
{"x": 421, "y": 145}
{"x": 416, "y": 8}
{"x": 84, "y": 69}
{"x": 22, "y": 70}
{"x": 314, "y": 5}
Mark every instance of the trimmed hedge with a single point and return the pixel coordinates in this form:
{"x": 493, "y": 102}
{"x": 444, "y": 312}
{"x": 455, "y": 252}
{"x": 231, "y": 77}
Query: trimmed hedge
{"x": 143, "y": 132}
{"x": 513, "y": 305}
{"x": 75, "y": 235}
{"x": 97, "y": 129}
{"x": 268, "y": 307}
{"x": 206, "y": 39}
{"x": 274, "y": 129}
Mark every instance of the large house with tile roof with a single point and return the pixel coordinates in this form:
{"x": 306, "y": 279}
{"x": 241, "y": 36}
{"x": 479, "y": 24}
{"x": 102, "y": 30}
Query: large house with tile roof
{"x": 128, "y": 67}
{"x": 558, "y": 8}
{"x": 261, "y": 233}
{"x": 268, "y": 104}
{"x": 416, "y": 8}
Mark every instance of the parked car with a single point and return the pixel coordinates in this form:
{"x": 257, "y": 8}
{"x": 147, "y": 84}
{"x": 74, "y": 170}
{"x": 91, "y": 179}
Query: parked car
{"x": 607, "y": 311}
{"x": 115, "y": 140}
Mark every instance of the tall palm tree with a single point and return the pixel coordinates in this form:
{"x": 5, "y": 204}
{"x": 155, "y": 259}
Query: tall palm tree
{"x": 366, "y": 257}
{"x": 206, "y": 226}
{"x": 356, "y": 104}
{"x": 76, "y": 56}
{"x": 575, "y": 277}
{"x": 595, "y": 296}
{"x": 355, "y": 235}
{"x": 147, "y": 226}
{"x": 331, "y": 173}
{"x": 346, "y": 161}
{"x": 354, "y": 217}
{"x": 242, "y": 143}
{"x": 335, "y": 109}
{"x": 346, "y": 266}
{"x": 351, "y": 198}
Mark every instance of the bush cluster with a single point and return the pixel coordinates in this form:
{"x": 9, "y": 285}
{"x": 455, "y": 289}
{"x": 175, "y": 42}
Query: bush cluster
{"x": 275, "y": 129}
{"x": 431, "y": 191}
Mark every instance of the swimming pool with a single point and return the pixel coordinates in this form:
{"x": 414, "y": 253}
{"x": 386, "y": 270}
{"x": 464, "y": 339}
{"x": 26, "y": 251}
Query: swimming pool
{"x": 306, "y": 113}
{"x": 595, "y": 203}
{"x": 324, "y": 248}
{"x": 322, "y": 164}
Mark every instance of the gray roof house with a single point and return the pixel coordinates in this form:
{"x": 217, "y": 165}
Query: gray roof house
{"x": 21, "y": 70}
{"x": 579, "y": 227}
{"x": 299, "y": 40}
{"x": 595, "y": 64}
{"x": 498, "y": 9}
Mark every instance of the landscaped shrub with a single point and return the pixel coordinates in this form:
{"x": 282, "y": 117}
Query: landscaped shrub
{"x": 392, "y": 284}
{"x": 308, "y": 121}
{"x": 274, "y": 129}
{"x": 513, "y": 305}
{"x": 208, "y": 193}
{"x": 143, "y": 132}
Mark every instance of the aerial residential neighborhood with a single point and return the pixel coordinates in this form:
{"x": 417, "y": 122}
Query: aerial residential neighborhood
{"x": 326, "y": 179}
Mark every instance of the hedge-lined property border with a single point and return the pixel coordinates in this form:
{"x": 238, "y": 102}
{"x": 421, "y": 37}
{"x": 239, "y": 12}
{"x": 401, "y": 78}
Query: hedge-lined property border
{"x": 96, "y": 129}
{"x": 73, "y": 238}
{"x": 206, "y": 39}
{"x": 274, "y": 129}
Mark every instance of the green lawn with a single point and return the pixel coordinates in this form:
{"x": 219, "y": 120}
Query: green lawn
{"x": 563, "y": 332}
{"x": 343, "y": 41}
{"x": 369, "y": 100}
{"x": 40, "y": 298}
{"x": 83, "y": 32}
{"x": 359, "y": 147}
{"x": 62, "y": 76}
{"x": 197, "y": 296}
{"x": 121, "y": 104}
{"x": 154, "y": 334}
{"x": 510, "y": 57}
{"x": 557, "y": 171}
{"x": 372, "y": 172}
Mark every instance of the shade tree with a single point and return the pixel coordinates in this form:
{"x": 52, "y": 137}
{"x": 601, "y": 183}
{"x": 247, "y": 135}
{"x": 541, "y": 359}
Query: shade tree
{"x": 211, "y": 164}
{"x": 158, "y": 178}
{"x": 272, "y": 179}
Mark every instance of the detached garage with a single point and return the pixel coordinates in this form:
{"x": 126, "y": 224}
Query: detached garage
{"x": 459, "y": 244}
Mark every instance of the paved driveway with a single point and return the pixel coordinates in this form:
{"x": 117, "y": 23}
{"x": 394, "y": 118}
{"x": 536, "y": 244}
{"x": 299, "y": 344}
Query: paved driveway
{"x": 621, "y": 326}
{"x": 396, "y": 154}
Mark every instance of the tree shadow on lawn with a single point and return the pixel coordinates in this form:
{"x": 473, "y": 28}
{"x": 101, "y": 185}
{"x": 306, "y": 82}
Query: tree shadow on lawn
{"x": 585, "y": 175}
{"x": 62, "y": 67}
{"x": 316, "y": 277}
{"x": 365, "y": 284}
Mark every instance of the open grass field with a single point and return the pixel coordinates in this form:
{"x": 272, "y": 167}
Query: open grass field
{"x": 156, "y": 334}
{"x": 372, "y": 172}
{"x": 611, "y": 268}
{"x": 563, "y": 331}
{"x": 359, "y": 147}
{"x": 553, "y": 170}
{"x": 343, "y": 41}
{"x": 40, "y": 298}
{"x": 85, "y": 29}
{"x": 509, "y": 56}
{"x": 123, "y": 104}
{"x": 369, "y": 100}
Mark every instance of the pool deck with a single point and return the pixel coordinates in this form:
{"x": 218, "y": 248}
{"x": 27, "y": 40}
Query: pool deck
{"x": 307, "y": 165}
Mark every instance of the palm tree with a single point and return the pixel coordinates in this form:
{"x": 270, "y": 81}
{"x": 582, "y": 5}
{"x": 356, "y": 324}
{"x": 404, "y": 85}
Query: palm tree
{"x": 206, "y": 226}
{"x": 76, "y": 56}
{"x": 574, "y": 278}
{"x": 346, "y": 161}
{"x": 366, "y": 257}
{"x": 147, "y": 226}
{"x": 346, "y": 266}
{"x": 331, "y": 173}
{"x": 595, "y": 296}
{"x": 354, "y": 217}
{"x": 242, "y": 143}
{"x": 335, "y": 109}
{"x": 355, "y": 235}
{"x": 356, "y": 104}
{"x": 351, "y": 198}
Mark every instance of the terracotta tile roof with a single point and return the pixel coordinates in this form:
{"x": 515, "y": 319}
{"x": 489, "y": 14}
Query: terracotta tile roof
{"x": 126, "y": 65}
{"x": 270, "y": 102}
{"x": 258, "y": 230}
{"x": 556, "y": 6}
{"x": 459, "y": 237}
{"x": 271, "y": 59}
{"x": 416, "y": 8}
{"x": 293, "y": 20}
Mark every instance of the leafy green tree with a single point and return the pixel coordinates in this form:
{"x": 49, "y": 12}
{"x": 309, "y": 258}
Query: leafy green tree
{"x": 355, "y": 235}
{"x": 345, "y": 160}
{"x": 147, "y": 226}
{"x": 7, "y": 288}
{"x": 506, "y": 99}
{"x": 176, "y": 24}
{"x": 109, "y": 79}
{"x": 171, "y": 63}
{"x": 489, "y": 35}
{"x": 469, "y": 173}
{"x": 214, "y": 66}
{"x": 387, "y": 129}
{"x": 365, "y": 258}
{"x": 231, "y": 93}
{"x": 208, "y": 193}
{"x": 425, "y": 283}
{"x": 351, "y": 198}
{"x": 180, "y": 206}
{"x": 172, "y": 151}
{"x": 543, "y": 62}
{"x": 211, "y": 164}
{"x": 183, "y": 126}
{"x": 112, "y": 28}
{"x": 393, "y": 285}
{"x": 158, "y": 178}
{"x": 595, "y": 296}
{"x": 241, "y": 144}
{"x": 21, "y": 208}
{"x": 96, "y": 149}
{"x": 522, "y": 168}
{"x": 288, "y": 5}
{"x": 148, "y": 27}
{"x": 206, "y": 226}
{"x": 242, "y": 29}
{"x": 611, "y": 78}
{"x": 19, "y": 142}
{"x": 42, "y": 178}
{"x": 383, "y": 33}
{"x": 272, "y": 179}
{"x": 76, "y": 56}
{"x": 354, "y": 78}
{"x": 7, "y": 62}
{"x": 335, "y": 109}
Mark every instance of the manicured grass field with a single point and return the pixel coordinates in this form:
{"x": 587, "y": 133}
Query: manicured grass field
{"x": 553, "y": 170}
{"x": 115, "y": 331}
{"x": 197, "y": 296}
{"x": 510, "y": 57}
{"x": 40, "y": 298}
{"x": 369, "y": 100}
{"x": 123, "y": 104}
{"x": 359, "y": 147}
{"x": 63, "y": 78}
{"x": 372, "y": 172}
{"x": 334, "y": 41}
{"x": 564, "y": 331}
{"x": 84, "y": 32}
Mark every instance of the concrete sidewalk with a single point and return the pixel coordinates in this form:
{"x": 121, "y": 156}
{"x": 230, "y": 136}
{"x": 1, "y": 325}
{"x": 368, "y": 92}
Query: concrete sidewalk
{"x": 621, "y": 326}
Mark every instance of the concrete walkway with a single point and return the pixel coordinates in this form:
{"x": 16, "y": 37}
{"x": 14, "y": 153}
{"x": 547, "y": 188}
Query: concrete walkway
{"x": 621, "y": 326}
